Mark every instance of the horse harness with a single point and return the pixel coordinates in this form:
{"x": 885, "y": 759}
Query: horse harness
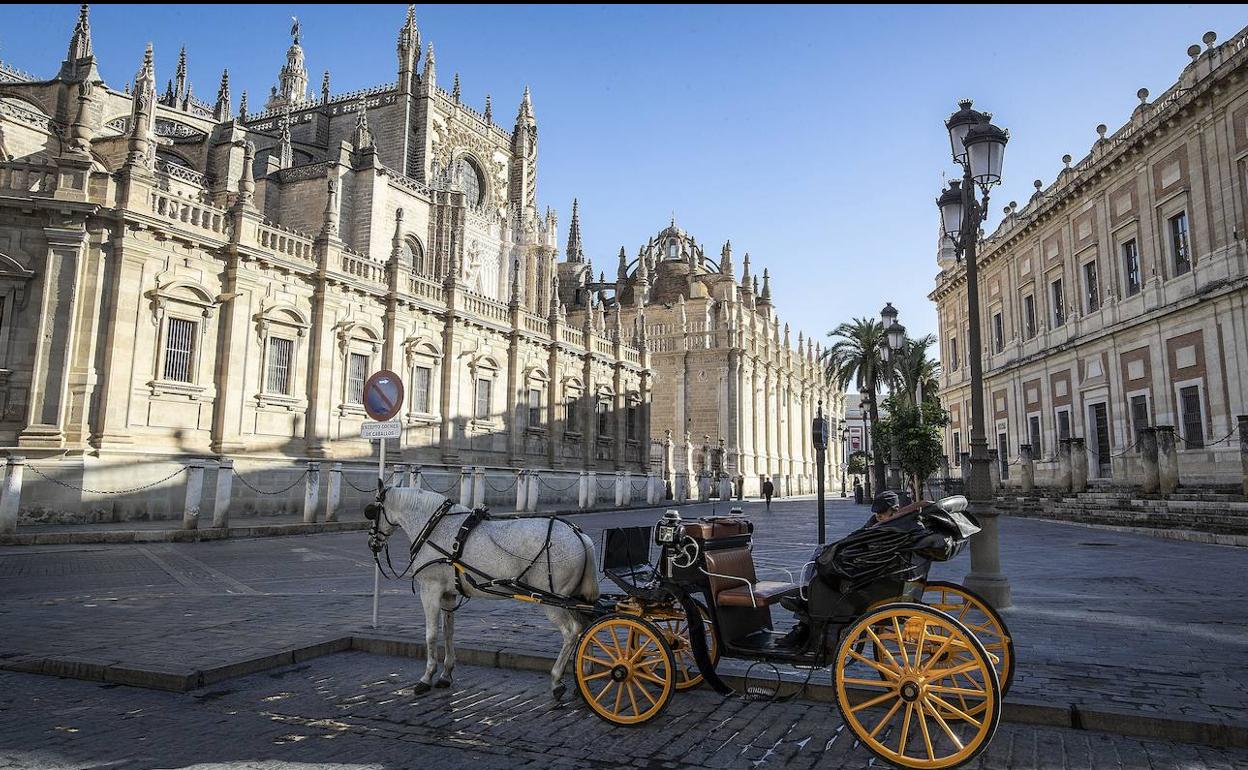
{"x": 511, "y": 588}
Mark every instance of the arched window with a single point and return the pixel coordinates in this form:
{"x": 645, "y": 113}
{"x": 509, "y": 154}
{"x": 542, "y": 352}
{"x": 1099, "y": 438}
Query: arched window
{"x": 414, "y": 252}
{"x": 467, "y": 179}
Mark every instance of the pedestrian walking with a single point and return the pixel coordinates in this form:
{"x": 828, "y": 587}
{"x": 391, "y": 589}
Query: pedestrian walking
{"x": 769, "y": 489}
{"x": 857, "y": 491}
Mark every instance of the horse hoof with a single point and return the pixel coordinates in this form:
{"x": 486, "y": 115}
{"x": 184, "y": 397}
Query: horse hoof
{"x": 420, "y": 688}
{"x": 559, "y": 690}
{"x": 442, "y": 683}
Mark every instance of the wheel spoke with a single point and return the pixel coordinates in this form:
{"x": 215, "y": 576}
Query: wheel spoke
{"x": 615, "y": 643}
{"x": 598, "y": 661}
{"x": 879, "y": 645}
{"x": 646, "y": 693}
{"x": 952, "y": 710}
{"x": 953, "y": 690}
{"x": 948, "y": 672}
{"x": 905, "y": 729}
{"x": 901, "y": 643}
{"x": 877, "y": 683}
{"x": 886, "y": 671}
{"x": 599, "y": 675}
{"x": 941, "y": 721}
{"x": 619, "y": 695}
{"x": 873, "y": 702}
{"x": 632, "y": 698}
{"x": 936, "y": 656}
{"x": 603, "y": 691}
{"x": 649, "y": 677}
{"x": 887, "y": 718}
{"x": 927, "y": 738}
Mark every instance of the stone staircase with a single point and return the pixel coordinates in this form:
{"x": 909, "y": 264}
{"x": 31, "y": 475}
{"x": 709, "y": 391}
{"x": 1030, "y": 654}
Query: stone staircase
{"x": 1188, "y": 514}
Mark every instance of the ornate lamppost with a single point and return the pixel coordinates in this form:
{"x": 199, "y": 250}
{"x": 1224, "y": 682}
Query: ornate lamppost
{"x": 978, "y": 147}
{"x": 890, "y": 346}
{"x": 844, "y": 457}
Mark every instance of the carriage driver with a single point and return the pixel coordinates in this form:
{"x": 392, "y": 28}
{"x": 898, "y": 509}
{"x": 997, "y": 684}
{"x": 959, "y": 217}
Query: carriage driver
{"x": 885, "y": 507}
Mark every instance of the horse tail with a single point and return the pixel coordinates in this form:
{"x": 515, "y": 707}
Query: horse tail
{"x": 588, "y": 589}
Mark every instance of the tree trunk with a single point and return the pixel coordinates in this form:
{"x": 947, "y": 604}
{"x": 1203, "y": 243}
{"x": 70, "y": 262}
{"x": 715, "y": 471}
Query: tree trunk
{"x": 878, "y": 466}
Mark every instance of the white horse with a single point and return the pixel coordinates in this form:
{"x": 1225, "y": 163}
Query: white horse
{"x": 503, "y": 548}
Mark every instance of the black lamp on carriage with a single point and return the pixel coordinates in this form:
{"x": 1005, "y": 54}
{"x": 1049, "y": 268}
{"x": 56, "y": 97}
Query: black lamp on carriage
{"x": 978, "y": 148}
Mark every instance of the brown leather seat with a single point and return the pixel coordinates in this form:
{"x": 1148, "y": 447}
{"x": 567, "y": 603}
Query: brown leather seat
{"x": 730, "y": 569}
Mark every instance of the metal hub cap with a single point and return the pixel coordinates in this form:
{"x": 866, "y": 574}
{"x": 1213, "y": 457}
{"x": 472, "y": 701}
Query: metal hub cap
{"x": 619, "y": 673}
{"x": 909, "y": 691}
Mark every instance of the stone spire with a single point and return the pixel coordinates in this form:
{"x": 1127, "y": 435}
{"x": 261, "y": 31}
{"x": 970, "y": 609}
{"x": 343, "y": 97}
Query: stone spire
{"x": 285, "y": 153}
{"x": 242, "y": 106}
{"x": 526, "y": 107}
{"x": 725, "y": 260}
{"x": 292, "y": 81}
{"x": 455, "y": 88}
{"x": 766, "y": 295}
{"x": 754, "y": 286}
{"x": 221, "y": 113}
{"x": 179, "y": 78}
{"x": 745, "y": 276}
{"x": 363, "y": 137}
{"x": 430, "y": 75}
{"x": 621, "y": 272}
{"x": 79, "y": 61}
{"x": 515, "y": 283}
{"x": 556, "y": 305}
{"x": 329, "y": 218}
{"x": 80, "y": 132}
{"x": 786, "y": 335}
{"x": 575, "y": 251}
{"x": 489, "y": 110}
{"x": 246, "y": 182}
{"x": 325, "y": 88}
{"x": 408, "y": 50}
{"x": 142, "y": 111}
{"x": 522, "y": 186}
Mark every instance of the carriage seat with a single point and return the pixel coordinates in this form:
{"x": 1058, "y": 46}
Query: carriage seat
{"x": 730, "y": 569}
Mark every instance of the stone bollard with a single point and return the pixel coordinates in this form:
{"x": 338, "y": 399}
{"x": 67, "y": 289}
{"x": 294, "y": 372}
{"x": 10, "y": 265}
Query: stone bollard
{"x": 1151, "y": 482}
{"x": 652, "y": 488}
{"x": 725, "y": 489}
{"x": 1167, "y": 460}
{"x": 311, "y": 493}
{"x": 400, "y": 475}
{"x": 414, "y": 477}
{"x": 1078, "y": 465}
{"x": 591, "y": 486}
{"x": 194, "y": 494}
{"x": 964, "y": 465}
{"x": 582, "y": 492}
{"x": 994, "y": 468}
{"x": 11, "y": 495}
{"x": 522, "y": 490}
{"x": 704, "y": 488}
{"x": 1028, "y": 468}
{"x": 534, "y": 483}
{"x": 478, "y": 487}
{"x": 225, "y": 488}
{"x": 333, "y": 495}
{"x": 621, "y": 489}
{"x": 1063, "y": 464}
{"x": 465, "y": 486}
{"x": 1242, "y": 421}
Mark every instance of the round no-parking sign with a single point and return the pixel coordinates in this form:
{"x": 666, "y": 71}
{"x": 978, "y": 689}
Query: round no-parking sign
{"x": 383, "y": 395}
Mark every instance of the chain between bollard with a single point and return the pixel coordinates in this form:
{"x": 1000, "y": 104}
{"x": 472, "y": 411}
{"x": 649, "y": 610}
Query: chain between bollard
{"x": 506, "y": 488}
{"x": 633, "y": 486}
{"x": 1134, "y": 446}
{"x": 367, "y": 490}
{"x": 552, "y": 487}
{"x": 36, "y": 471}
{"x": 446, "y": 491}
{"x": 284, "y": 490}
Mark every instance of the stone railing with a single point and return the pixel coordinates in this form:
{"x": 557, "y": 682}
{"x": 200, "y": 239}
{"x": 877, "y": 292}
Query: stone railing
{"x": 28, "y": 177}
{"x": 603, "y": 346}
{"x": 11, "y": 74}
{"x": 423, "y": 288}
{"x": 353, "y": 96}
{"x": 404, "y": 181}
{"x": 285, "y": 241}
{"x": 486, "y": 308}
{"x": 632, "y": 355}
{"x": 571, "y": 336}
{"x": 193, "y": 214}
{"x": 533, "y": 323}
{"x": 362, "y": 267}
{"x": 182, "y": 173}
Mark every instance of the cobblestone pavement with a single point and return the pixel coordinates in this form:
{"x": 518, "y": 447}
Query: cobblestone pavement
{"x": 1121, "y": 622}
{"x": 356, "y": 711}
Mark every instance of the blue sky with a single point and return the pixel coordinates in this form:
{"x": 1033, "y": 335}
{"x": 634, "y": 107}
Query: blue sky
{"x": 810, "y": 136}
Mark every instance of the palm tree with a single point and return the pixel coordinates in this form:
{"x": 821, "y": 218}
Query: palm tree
{"x": 913, "y": 367}
{"x": 856, "y": 357}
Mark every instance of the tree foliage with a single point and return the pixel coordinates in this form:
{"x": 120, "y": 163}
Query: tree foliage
{"x": 915, "y": 434}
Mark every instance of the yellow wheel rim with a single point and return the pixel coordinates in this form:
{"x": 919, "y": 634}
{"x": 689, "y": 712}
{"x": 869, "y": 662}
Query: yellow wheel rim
{"x": 983, "y": 621}
{"x": 909, "y": 701}
{"x": 625, "y": 670}
{"x": 676, "y": 630}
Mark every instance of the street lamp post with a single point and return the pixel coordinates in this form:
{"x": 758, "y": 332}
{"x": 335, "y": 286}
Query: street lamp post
{"x": 844, "y": 456}
{"x": 978, "y": 147}
{"x": 891, "y": 346}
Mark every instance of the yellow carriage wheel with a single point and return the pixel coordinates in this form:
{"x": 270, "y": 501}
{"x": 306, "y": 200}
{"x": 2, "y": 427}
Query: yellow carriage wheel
{"x": 625, "y": 669}
{"x": 910, "y": 702}
{"x": 676, "y": 630}
{"x": 984, "y": 621}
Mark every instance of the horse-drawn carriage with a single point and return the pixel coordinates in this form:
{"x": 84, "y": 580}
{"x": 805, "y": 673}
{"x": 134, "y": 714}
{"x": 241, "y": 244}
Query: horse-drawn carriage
{"x": 919, "y": 667}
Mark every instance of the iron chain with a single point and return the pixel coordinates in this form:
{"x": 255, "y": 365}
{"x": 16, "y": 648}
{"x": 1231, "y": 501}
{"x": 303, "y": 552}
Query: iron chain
{"x": 41, "y": 475}
{"x": 553, "y": 488}
{"x": 509, "y": 486}
{"x": 284, "y": 490}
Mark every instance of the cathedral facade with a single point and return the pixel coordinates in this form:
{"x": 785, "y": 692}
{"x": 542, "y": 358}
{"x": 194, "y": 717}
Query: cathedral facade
{"x": 183, "y": 278}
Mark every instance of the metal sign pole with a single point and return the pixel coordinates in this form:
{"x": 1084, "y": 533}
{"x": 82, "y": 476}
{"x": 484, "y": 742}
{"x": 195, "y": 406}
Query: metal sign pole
{"x": 381, "y": 480}
{"x": 820, "y": 437}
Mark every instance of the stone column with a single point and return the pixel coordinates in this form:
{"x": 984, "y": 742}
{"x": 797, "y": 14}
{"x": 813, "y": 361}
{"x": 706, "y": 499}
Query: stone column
{"x": 964, "y": 465}
{"x": 11, "y": 495}
{"x": 1151, "y": 482}
{"x": 591, "y": 489}
{"x": 194, "y": 494}
{"x": 311, "y": 493}
{"x": 621, "y": 489}
{"x": 225, "y": 489}
{"x": 1063, "y": 465}
{"x": 1028, "y": 469}
{"x": 1167, "y": 460}
{"x": 1078, "y": 465}
{"x": 582, "y": 492}
{"x": 333, "y": 495}
{"x": 465, "y": 486}
{"x": 994, "y": 469}
{"x": 680, "y": 491}
{"x": 534, "y": 495}
{"x": 1242, "y": 421}
{"x": 478, "y": 487}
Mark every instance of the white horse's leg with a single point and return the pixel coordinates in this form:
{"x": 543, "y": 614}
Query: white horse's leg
{"x": 570, "y": 629}
{"x": 430, "y": 596}
{"x": 448, "y": 636}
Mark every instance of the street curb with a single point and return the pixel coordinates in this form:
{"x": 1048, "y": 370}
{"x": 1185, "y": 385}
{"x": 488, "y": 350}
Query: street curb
{"x": 1017, "y": 710}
